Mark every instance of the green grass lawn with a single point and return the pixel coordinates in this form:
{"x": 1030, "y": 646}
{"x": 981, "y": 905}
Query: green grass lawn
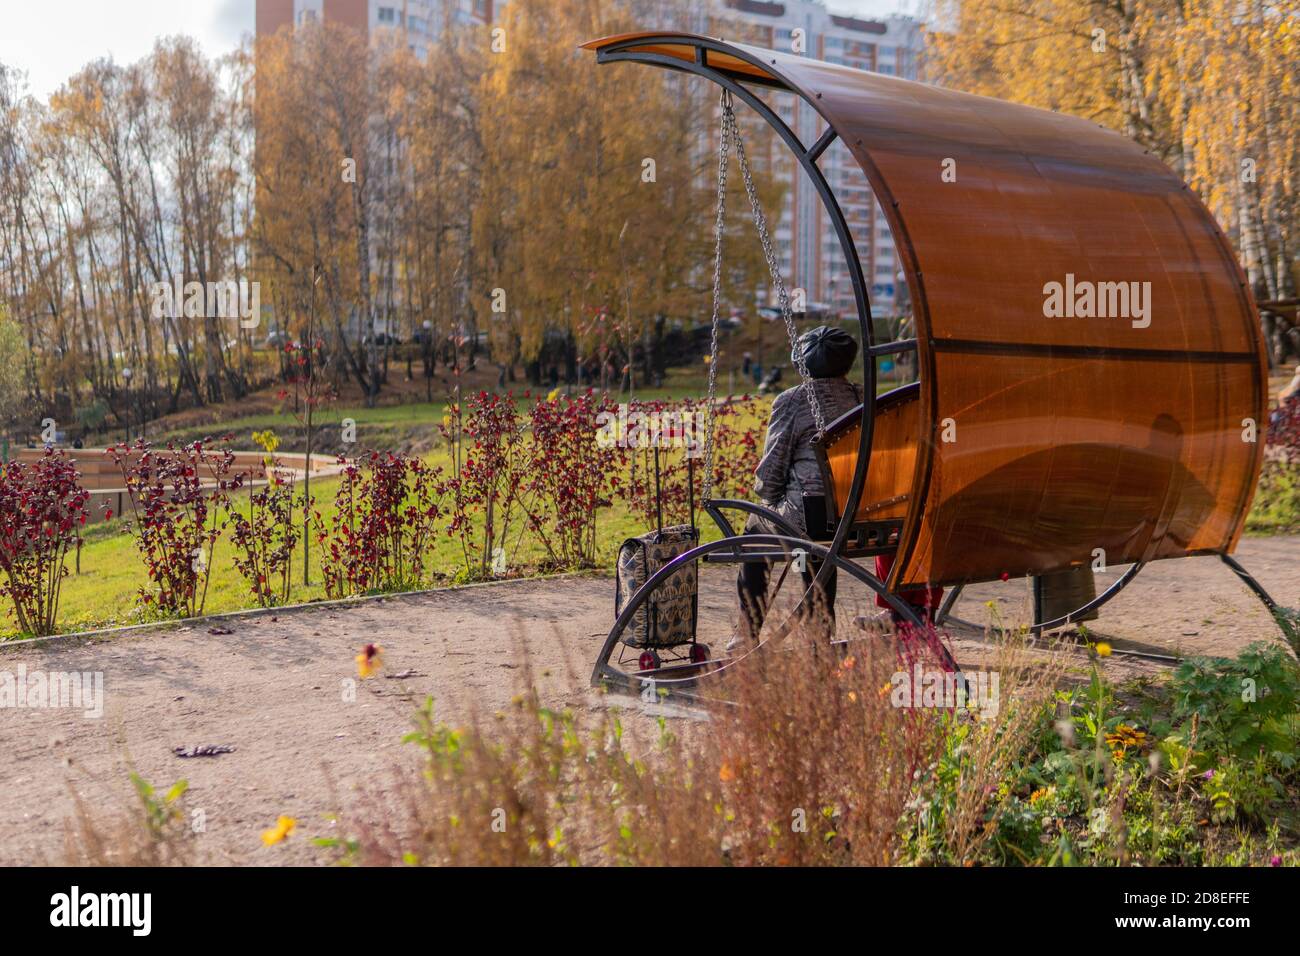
{"x": 1276, "y": 509}
{"x": 387, "y": 426}
{"x": 395, "y": 425}
{"x": 104, "y": 593}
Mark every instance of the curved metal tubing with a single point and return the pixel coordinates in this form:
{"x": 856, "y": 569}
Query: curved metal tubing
{"x": 807, "y": 157}
{"x": 604, "y": 674}
{"x": 1119, "y": 585}
{"x": 1092, "y": 605}
{"x": 1255, "y": 587}
{"x": 949, "y": 600}
{"x": 714, "y": 506}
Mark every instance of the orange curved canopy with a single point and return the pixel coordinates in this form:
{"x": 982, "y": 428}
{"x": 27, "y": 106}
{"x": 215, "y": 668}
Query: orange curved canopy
{"x": 1093, "y": 380}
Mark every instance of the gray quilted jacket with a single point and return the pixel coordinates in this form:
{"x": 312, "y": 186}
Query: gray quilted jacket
{"x": 788, "y": 469}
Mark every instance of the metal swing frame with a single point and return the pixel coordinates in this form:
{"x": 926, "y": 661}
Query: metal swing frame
{"x": 680, "y": 680}
{"x": 851, "y": 537}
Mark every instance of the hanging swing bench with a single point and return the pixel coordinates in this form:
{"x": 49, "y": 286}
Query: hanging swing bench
{"x": 1126, "y": 427}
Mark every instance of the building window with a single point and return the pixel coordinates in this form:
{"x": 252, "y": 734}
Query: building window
{"x": 387, "y": 15}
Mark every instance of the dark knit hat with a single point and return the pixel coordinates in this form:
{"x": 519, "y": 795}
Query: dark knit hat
{"x": 829, "y": 352}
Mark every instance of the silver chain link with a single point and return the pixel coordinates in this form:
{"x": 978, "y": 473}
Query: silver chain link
{"x": 782, "y": 295}
{"x": 710, "y": 411}
{"x": 730, "y": 131}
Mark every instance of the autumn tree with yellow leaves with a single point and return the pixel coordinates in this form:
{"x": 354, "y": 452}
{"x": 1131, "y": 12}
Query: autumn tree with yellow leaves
{"x": 597, "y": 191}
{"x": 503, "y": 190}
{"x": 129, "y": 176}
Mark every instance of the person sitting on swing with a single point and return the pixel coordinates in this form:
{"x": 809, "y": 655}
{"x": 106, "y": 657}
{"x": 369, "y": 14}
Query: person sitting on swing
{"x": 789, "y": 470}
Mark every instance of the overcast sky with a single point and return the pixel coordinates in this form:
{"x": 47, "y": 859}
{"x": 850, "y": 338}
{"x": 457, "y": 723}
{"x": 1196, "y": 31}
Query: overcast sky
{"x": 51, "y": 41}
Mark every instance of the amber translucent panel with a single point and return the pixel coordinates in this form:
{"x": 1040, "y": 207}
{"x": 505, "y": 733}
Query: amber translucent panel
{"x": 1121, "y": 432}
{"x": 731, "y": 65}
{"x": 1051, "y": 460}
{"x": 893, "y": 457}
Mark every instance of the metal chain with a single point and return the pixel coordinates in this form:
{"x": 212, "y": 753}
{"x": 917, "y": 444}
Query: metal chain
{"x": 730, "y": 132}
{"x": 710, "y": 412}
{"x": 782, "y": 295}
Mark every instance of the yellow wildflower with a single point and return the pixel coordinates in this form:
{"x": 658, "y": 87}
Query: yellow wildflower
{"x": 369, "y": 660}
{"x": 1125, "y": 737}
{"x": 283, "y": 827}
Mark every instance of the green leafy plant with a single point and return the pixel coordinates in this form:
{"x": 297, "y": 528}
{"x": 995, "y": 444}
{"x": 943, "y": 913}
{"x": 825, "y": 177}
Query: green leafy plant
{"x": 1245, "y": 704}
{"x": 161, "y": 811}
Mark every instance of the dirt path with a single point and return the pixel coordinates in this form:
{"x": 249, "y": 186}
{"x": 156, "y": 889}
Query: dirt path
{"x": 274, "y": 688}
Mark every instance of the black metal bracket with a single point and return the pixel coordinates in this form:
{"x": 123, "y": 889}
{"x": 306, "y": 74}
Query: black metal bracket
{"x": 1118, "y": 585}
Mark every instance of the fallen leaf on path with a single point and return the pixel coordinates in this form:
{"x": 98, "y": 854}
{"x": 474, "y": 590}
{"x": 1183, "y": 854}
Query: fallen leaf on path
{"x": 203, "y": 750}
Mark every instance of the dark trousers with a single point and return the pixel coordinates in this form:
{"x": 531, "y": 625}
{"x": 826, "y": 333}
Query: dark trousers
{"x": 752, "y": 583}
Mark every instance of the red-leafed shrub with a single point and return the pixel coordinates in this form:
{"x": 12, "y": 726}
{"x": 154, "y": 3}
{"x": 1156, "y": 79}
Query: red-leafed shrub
{"x": 741, "y": 427}
{"x": 1284, "y": 429}
{"x": 651, "y": 425}
{"x": 265, "y": 539}
{"x": 489, "y": 485}
{"x": 570, "y": 477}
{"x": 179, "y": 498}
{"x": 386, "y": 511}
{"x": 42, "y": 511}
{"x": 738, "y": 444}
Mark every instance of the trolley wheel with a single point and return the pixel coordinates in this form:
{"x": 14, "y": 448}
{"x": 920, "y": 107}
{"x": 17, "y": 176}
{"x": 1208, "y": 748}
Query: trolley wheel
{"x": 648, "y": 661}
{"x": 699, "y": 653}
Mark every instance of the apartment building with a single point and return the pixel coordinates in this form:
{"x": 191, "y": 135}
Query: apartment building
{"x": 808, "y": 250}
{"x": 418, "y": 22}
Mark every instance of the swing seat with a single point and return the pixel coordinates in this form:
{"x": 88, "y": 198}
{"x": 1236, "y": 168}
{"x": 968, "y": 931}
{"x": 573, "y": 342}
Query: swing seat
{"x": 882, "y": 508}
{"x": 885, "y": 496}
